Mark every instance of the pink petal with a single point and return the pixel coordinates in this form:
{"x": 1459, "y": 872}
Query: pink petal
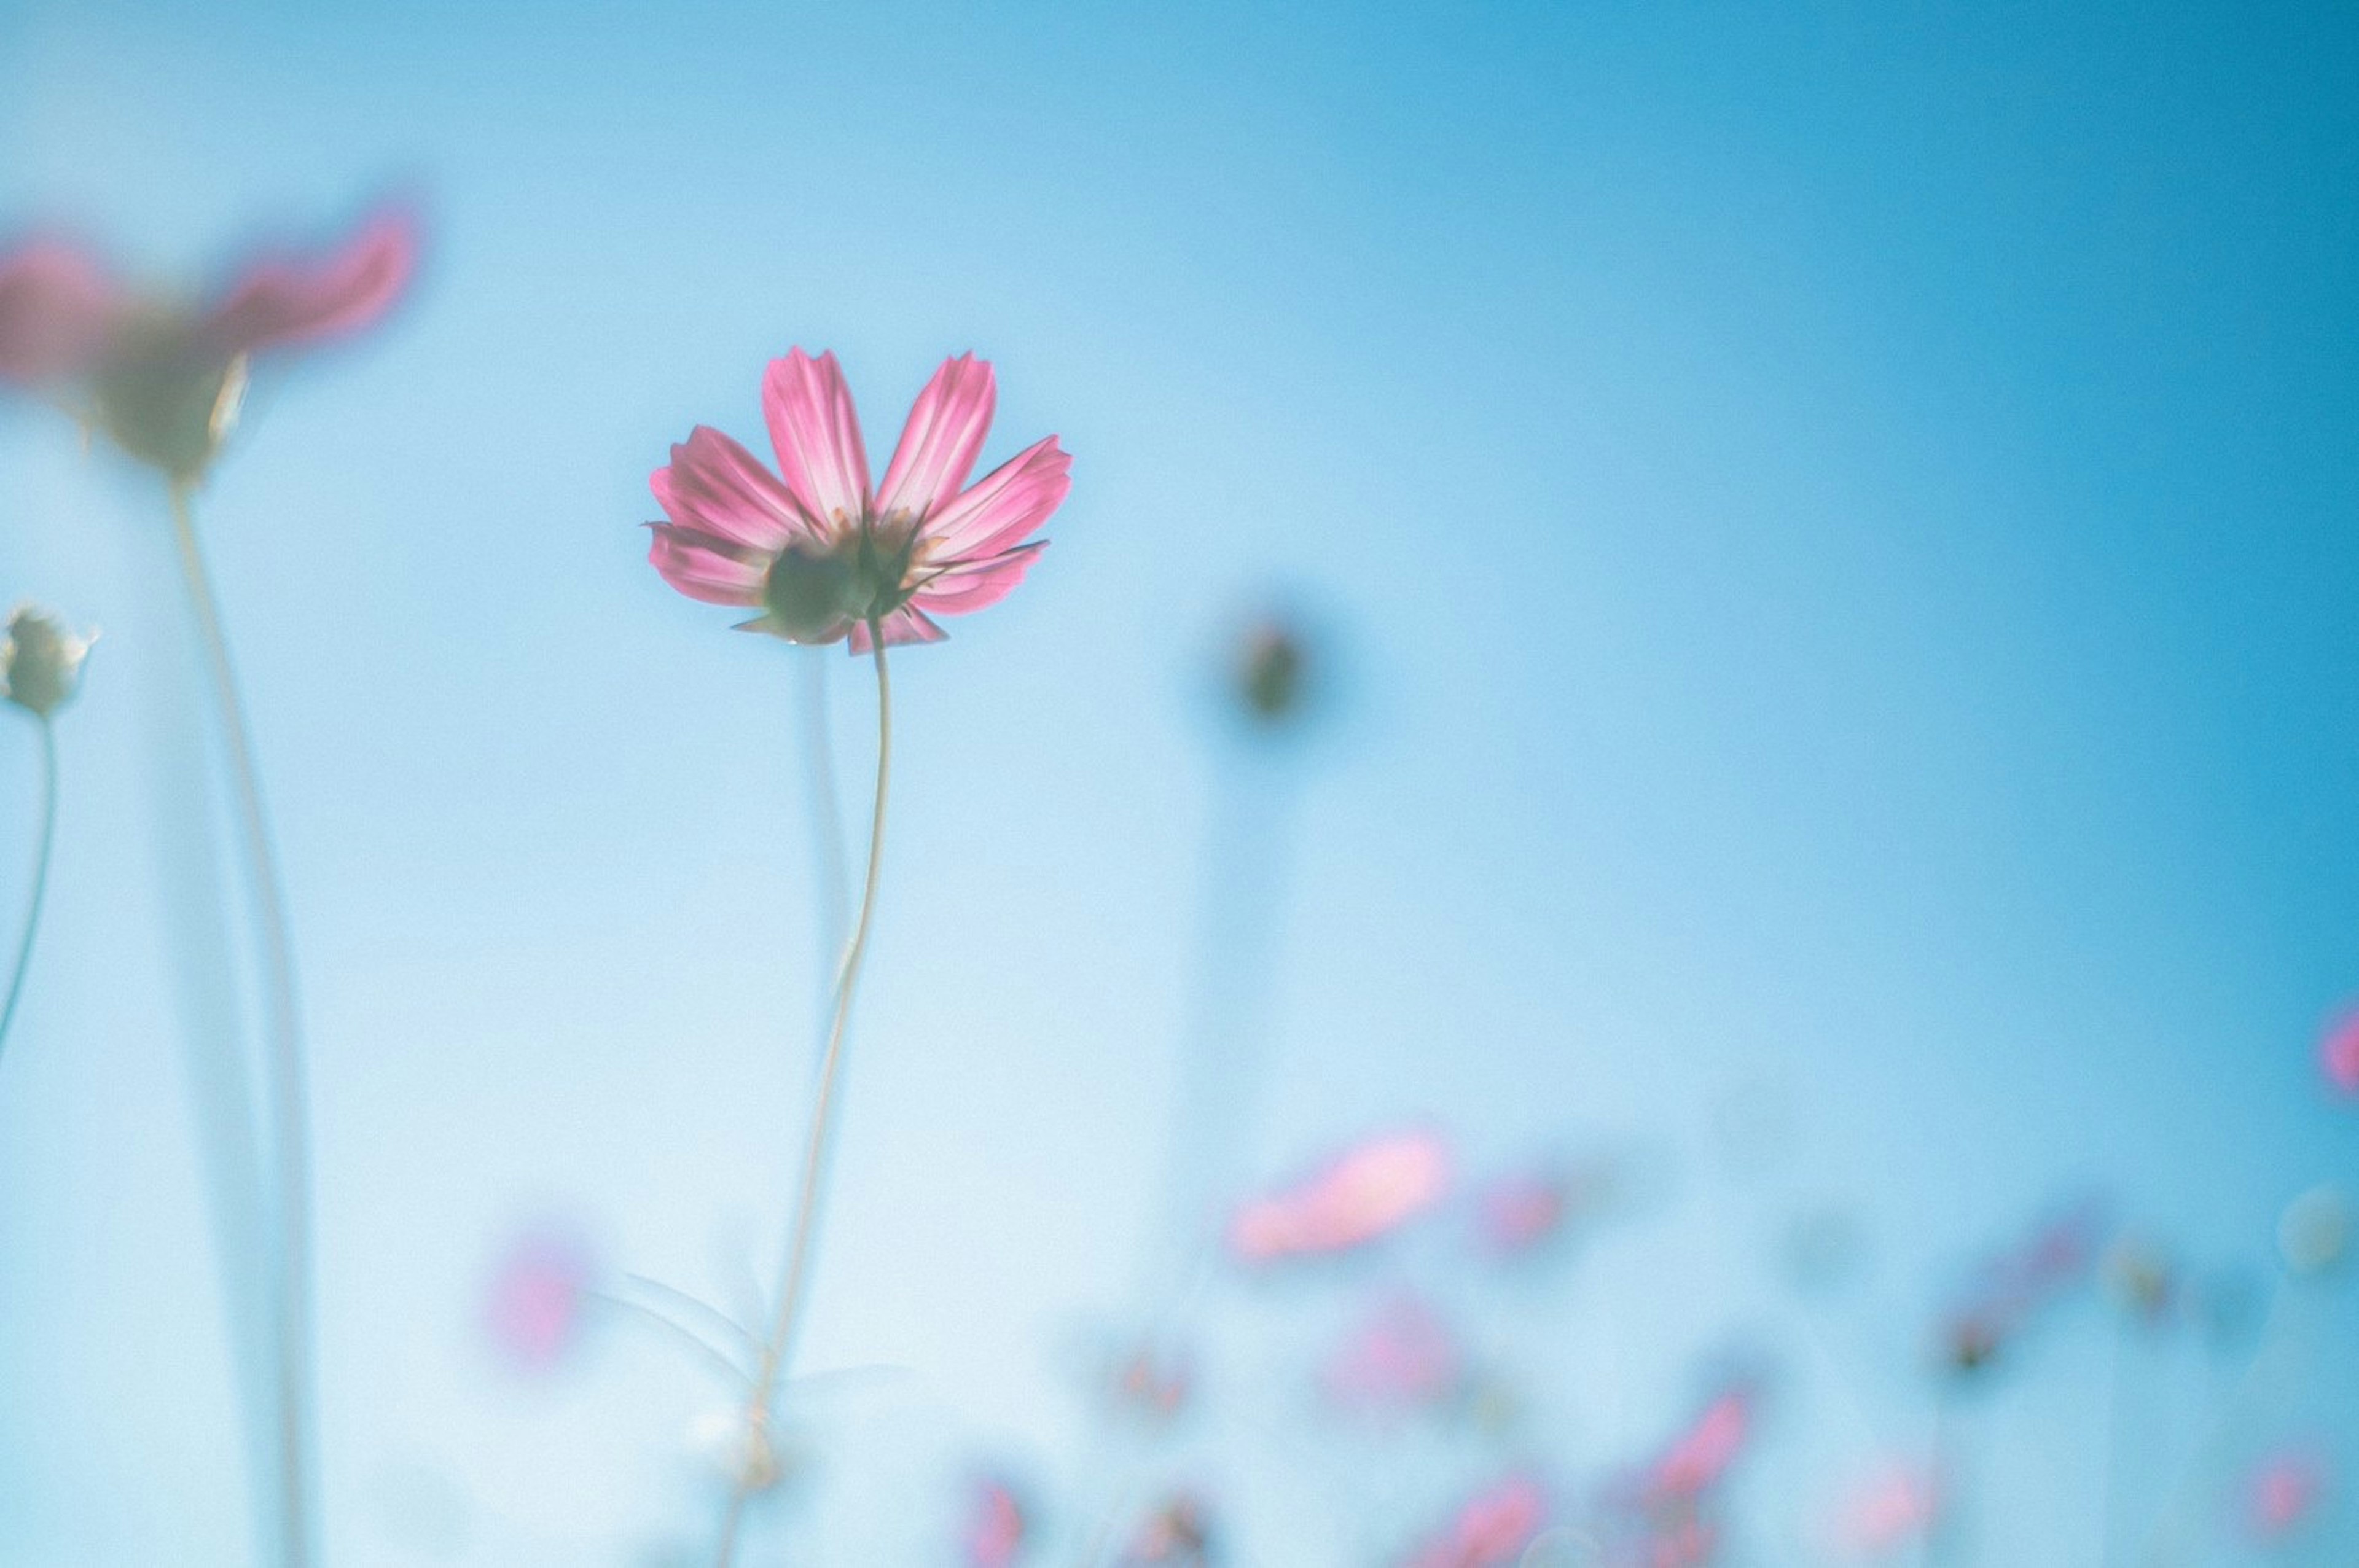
{"x": 1403, "y": 1356}
{"x": 1894, "y": 1510}
{"x": 907, "y": 624}
{"x": 941, "y": 440}
{"x": 717, "y": 487}
{"x": 283, "y": 300}
{"x": 56, "y": 309}
{"x": 995, "y": 1526}
{"x": 1004, "y": 505}
{"x": 970, "y": 586}
{"x": 1494, "y": 1528}
{"x": 1699, "y": 1458}
{"x": 817, "y": 435}
{"x": 2283, "y": 1493}
{"x": 534, "y": 1312}
{"x": 1365, "y": 1193}
{"x": 2338, "y": 1054}
{"x": 703, "y": 566}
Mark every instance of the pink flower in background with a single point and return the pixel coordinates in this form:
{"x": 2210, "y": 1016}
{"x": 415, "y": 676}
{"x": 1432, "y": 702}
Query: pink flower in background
{"x": 1892, "y": 1510}
{"x": 2284, "y": 1491}
{"x": 163, "y": 378}
{"x": 2338, "y": 1054}
{"x": 1402, "y": 1358}
{"x": 1154, "y": 1381}
{"x": 1177, "y": 1534}
{"x": 1492, "y": 1528}
{"x": 819, "y": 551}
{"x": 1695, "y": 1461}
{"x": 539, "y": 1293}
{"x": 2018, "y": 1285}
{"x": 995, "y": 1526}
{"x": 1516, "y": 1214}
{"x": 1365, "y": 1193}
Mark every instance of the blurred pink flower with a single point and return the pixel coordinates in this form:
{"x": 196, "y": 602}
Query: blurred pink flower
{"x": 2283, "y": 1492}
{"x": 1177, "y": 1534}
{"x": 540, "y": 1292}
{"x": 1696, "y": 1459}
{"x": 1402, "y": 1357}
{"x": 818, "y": 550}
{"x": 55, "y": 308}
{"x": 1892, "y": 1510}
{"x": 2338, "y": 1054}
{"x": 2015, "y": 1287}
{"x": 1365, "y": 1193}
{"x": 1516, "y": 1214}
{"x": 995, "y": 1526}
{"x": 1153, "y": 1380}
{"x": 1492, "y": 1528}
{"x": 162, "y": 378}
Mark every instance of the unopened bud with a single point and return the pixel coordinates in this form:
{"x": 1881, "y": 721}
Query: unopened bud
{"x": 40, "y": 662}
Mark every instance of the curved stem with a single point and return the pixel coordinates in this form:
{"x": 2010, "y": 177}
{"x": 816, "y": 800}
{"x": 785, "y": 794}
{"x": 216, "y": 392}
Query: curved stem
{"x": 779, "y": 1346}
{"x": 40, "y": 877}
{"x": 286, "y": 1087}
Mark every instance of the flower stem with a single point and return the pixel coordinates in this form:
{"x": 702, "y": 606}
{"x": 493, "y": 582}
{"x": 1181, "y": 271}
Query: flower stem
{"x": 41, "y": 876}
{"x": 285, "y": 1079}
{"x": 779, "y": 1346}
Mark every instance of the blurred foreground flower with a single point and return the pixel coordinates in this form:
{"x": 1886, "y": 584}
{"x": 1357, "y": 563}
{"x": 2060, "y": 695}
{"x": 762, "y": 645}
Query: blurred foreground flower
{"x": 1491, "y": 1530}
{"x": 2018, "y": 1285}
{"x": 823, "y": 555}
{"x": 1364, "y": 1193}
{"x": 163, "y": 378}
{"x": 40, "y": 669}
{"x": 1177, "y": 1534}
{"x": 1696, "y": 1461}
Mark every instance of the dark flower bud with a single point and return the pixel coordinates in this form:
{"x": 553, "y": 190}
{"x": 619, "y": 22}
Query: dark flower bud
{"x": 40, "y": 662}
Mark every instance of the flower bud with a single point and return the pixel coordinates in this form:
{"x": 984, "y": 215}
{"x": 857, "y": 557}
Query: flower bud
{"x": 40, "y": 662}
{"x": 1270, "y": 674}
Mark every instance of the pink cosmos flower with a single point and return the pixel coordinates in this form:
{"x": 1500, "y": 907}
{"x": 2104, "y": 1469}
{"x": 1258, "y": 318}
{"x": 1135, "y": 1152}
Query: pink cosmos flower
{"x": 995, "y": 1526}
{"x": 163, "y": 378}
{"x": 821, "y": 552}
{"x": 1402, "y": 1358}
{"x": 2338, "y": 1054}
{"x": 2283, "y": 1493}
{"x": 540, "y": 1292}
{"x": 1892, "y": 1510}
{"x": 1492, "y": 1528}
{"x": 1696, "y": 1460}
{"x": 1368, "y": 1192}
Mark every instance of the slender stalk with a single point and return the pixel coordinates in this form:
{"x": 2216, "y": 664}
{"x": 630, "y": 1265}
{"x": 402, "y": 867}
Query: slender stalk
{"x": 777, "y": 1349}
{"x": 285, "y": 1078}
{"x": 41, "y": 876}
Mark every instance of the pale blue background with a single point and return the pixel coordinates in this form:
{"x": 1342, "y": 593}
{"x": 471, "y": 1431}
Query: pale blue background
{"x": 1839, "y": 520}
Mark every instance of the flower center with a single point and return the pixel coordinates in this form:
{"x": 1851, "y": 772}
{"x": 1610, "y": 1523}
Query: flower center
{"x": 817, "y": 590}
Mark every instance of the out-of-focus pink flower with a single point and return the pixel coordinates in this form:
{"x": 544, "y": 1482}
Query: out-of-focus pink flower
{"x": 1516, "y": 1214}
{"x": 2015, "y": 1287}
{"x": 1177, "y": 1534}
{"x": 2338, "y": 1054}
{"x": 1368, "y": 1192}
{"x": 280, "y": 299}
{"x": 2284, "y": 1489}
{"x": 1154, "y": 1381}
{"x": 56, "y": 306}
{"x": 1402, "y": 1358}
{"x": 1494, "y": 1526}
{"x": 1890, "y": 1511}
{"x": 995, "y": 1526}
{"x": 539, "y": 1298}
{"x": 821, "y": 552}
{"x": 1696, "y": 1460}
{"x": 1683, "y": 1543}
{"x": 163, "y": 378}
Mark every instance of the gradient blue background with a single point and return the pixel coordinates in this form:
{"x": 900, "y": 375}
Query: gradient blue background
{"x": 1837, "y": 526}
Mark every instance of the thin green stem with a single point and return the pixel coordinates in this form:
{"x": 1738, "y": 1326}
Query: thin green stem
{"x": 286, "y": 1079}
{"x": 40, "y": 877}
{"x": 778, "y": 1351}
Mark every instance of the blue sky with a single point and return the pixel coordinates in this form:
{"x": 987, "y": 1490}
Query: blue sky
{"x": 1835, "y": 527}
